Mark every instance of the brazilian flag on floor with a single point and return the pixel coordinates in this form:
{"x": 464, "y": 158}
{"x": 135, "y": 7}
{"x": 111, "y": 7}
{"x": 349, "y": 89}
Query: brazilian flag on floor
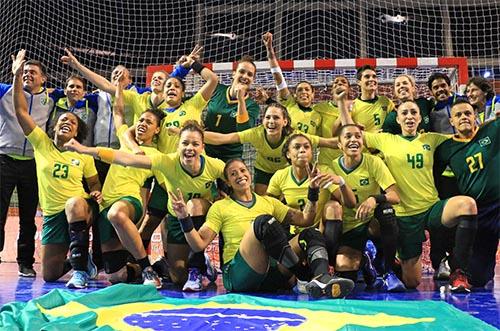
{"x": 138, "y": 307}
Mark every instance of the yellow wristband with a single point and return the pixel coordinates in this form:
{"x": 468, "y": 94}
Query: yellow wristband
{"x": 242, "y": 118}
{"x": 106, "y": 154}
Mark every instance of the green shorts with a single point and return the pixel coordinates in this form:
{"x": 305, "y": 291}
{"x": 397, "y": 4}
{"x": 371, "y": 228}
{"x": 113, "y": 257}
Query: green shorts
{"x": 238, "y": 276}
{"x": 411, "y": 230}
{"x": 261, "y": 177}
{"x": 106, "y": 229}
{"x": 174, "y": 230}
{"x": 157, "y": 204}
{"x": 55, "y": 228}
{"x": 355, "y": 238}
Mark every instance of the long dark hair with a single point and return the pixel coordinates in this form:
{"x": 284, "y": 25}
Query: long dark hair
{"x": 287, "y": 129}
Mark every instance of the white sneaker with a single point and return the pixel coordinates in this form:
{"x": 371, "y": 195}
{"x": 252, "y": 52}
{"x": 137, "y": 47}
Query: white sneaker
{"x": 79, "y": 279}
{"x": 444, "y": 271}
{"x": 194, "y": 282}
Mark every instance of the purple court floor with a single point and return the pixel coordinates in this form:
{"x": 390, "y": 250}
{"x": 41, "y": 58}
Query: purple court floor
{"x": 483, "y": 304}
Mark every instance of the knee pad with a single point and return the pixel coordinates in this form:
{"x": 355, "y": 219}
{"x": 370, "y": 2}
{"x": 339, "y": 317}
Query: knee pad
{"x": 114, "y": 260}
{"x": 312, "y": 242}
{"x": 79, "y": 245}
{"x": 271, "y": 234}
{"x": 332, "y": 234}
{"x": 384, "y": 213}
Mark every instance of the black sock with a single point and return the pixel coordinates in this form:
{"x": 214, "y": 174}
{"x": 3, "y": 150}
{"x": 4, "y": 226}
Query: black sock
{"x": 114, "y": 260}
{"x": 464, "y": 239}
{"x": 332, "y": 233}
{"x": 79, "y": 245}
{"x": 144, "y": 262}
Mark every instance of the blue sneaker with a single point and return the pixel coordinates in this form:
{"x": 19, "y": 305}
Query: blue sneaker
{"x": 92, "y": 271}
{"x": 211, "y": 273}
{"x": 370, "y": 249}
{"x": 392, "y": 283}
{"x": 79, "y": 279}
{"x": 369, "y": 271}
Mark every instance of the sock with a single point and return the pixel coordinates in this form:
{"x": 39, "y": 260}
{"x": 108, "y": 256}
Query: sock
{"x": 332, "y": 233}
{"x": 144, "y": 262}
{"x": 464, "y": 239}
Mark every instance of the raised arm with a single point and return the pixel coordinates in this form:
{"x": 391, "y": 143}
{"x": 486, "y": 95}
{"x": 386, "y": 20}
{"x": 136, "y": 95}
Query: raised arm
{"x": 119, "y": 104}
{"x": 283, "y": 91}
{"x": 215, "y": 138}
{"x": 110, "y": 155}
{"x": 130, "y": 142}
{"x": 98, "y": 80}
{"x": 197, "y": 240}
{"x": 20, "y": 104}
{"x": 345, "y": 116}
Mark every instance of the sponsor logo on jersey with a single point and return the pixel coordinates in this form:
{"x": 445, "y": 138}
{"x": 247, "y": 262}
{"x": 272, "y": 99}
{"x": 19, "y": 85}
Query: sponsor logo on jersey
{"x": 485, "y": 141}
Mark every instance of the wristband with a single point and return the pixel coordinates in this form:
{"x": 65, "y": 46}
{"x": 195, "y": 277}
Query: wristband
{"x": 242, "y": 118}
{"x": 186, "y": 224}
{"x": 313, "y": 194}
{"x": 379, "y": 198}
{"x": 276, "y": 70}
{"x": 341, "y": 181}
{"x": 106, "y": 154}
{"x": 282, "y": 86}
{"x": 197, "y": 66}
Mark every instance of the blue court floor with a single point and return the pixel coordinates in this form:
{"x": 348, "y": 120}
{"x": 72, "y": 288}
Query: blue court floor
{"x": 483, "y": 304}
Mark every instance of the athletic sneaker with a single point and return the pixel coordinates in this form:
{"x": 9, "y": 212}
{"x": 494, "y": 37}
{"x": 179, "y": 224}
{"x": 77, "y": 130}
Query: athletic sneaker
{"x": 194, "y": 282}
{"x": 369, "y": 271}
{"x": 79, "y": 279}
{"x": 329, "y": 286}
{"x": 300, "y": 287}
{"x": 149, "y": 277}
{"x": 392, "y": 283}
{"x": 443, "y": 272}
{"x": 211, "y": 273}
{"x": 160, "y": 266}
{"x": 92, "y": 271}
{"x": 25, "y": 271}
{"x": 459, "y": 282}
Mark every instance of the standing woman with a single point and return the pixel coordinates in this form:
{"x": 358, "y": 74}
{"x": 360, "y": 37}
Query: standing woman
{"x": 268, "y": 140}
{"x": 482, "y": 97}
{"x": 68, "y": 210}
{"x": 188, "y": 170}
{"x": 257, "y": 253}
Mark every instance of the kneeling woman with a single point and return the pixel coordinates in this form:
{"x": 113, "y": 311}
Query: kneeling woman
{"x": 188, "y": 170}
{"x": 256, "y": 247}
{"x": 67, "y": 209}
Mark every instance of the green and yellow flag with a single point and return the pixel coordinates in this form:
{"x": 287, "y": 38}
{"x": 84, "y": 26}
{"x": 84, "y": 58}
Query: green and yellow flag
{"x": 138, "y": 307}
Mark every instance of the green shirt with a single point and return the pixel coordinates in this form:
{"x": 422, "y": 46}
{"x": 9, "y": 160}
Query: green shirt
{"x": 475, "y": 162}
{"x": 221, "y": 117}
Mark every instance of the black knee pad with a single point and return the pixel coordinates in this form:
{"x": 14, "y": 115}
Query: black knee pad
{"x": 114, "y": 260}
{"x": 271, "y": 234}
{"x": 384, "y": 213}
{"x": 312, "y": 242}
{"x": 79, "y": 245}
{"x": 332, "y": 234}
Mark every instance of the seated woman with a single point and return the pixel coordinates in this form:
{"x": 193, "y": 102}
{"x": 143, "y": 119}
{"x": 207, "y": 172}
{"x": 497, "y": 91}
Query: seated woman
{"x": 257, "y": 253}
{"x": 67, "y": 209}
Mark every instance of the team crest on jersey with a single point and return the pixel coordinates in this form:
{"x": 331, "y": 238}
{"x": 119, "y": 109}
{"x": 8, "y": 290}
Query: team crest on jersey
{"x": 75, "y": 162}
{"x": 182, "y": 113}
{"x": 233, "y": 114}
{"x": 313, "y": 124}
{"x": 485, "y": 141}
{"x": 426, "y": 119}
{"x": 364, "y": 181}
{"x": 208, "y": 184}
{"x": 384, "y": 108}
{"x": 426, "y": 147}
{"x": 44, "y": 101}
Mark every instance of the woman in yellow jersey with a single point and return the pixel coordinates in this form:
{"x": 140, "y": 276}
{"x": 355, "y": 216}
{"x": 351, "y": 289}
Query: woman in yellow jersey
{"x": 268, "y": 140}
{"x": 257, "y": 253}
{"x": 300, "y": 106}
{"x": 195, "y": 174}
{"x": 367, "y": 175}
{"x": 68, "y": 210}
{"x": 122, "y": 206}
{"x": 410, "y": 158}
